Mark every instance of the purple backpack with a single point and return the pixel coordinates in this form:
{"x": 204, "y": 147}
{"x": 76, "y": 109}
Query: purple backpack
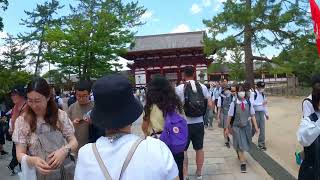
{"x": 175, "y": 132}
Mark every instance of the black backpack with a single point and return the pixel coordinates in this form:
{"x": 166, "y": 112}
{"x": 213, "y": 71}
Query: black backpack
{"x": 195, "y": 105}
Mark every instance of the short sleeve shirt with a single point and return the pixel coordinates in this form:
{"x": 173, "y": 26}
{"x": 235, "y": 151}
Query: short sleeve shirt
{"x": 22, "y": 133}
{"x": 151, "y": 160}
{"x": 180, "y": 93}
{"x": 231, "y": 110}
{"x": 307, "y": 107}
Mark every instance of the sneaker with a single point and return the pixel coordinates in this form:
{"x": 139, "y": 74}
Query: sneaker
{"x": 263, "y": 148}
{"x": 199, "y": 176}
{"x": 13, "y": 173}
{"x": 243, "y": 168}
{"x": 227, "y": 144}
{"x": 4, "y": 152}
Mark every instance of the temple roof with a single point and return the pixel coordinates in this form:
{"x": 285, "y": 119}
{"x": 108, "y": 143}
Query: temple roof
{"x": 168, "y": 41}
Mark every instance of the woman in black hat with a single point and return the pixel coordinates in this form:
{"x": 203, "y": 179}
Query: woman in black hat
{"x": 120, "y": 154}
{"x": 161, "y": 99}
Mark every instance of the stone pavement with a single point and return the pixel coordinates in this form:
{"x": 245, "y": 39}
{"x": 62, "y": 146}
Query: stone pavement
{"x": 221, "y": 163}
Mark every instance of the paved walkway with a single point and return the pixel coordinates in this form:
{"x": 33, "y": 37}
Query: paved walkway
{"x": 220, "y": 162}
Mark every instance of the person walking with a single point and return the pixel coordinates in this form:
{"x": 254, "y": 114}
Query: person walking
{"x": 161, "y": 100}
{"x": 241, "y": 111}
{"x": 224, "y": 102}
{"x": 308, "y": 136}
{"x": 121, "y": 154}
{"x": 18, "y": 97}
{"x": 195, "y": 99}
{"x": 261, "y": 113}
{"x": 44, "y": 135}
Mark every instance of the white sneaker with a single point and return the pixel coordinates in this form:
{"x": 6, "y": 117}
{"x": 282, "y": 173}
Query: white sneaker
{"x": 199, "y": 177}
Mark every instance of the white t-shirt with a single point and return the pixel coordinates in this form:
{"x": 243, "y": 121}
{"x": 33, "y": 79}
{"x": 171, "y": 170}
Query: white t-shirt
{"x": 180, "y": 93}
{"x": 151, "y": 160}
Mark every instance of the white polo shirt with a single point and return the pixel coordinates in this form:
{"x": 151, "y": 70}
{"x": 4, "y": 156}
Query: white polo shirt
{"x": 152, "y": 160}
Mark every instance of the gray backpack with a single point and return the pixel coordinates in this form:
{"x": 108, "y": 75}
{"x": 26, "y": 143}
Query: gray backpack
{"x": 51, "y": 141}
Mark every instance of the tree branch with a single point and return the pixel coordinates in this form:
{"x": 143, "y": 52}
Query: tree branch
{"x": 258, "y": 58}
{"x": 239, "y": 34}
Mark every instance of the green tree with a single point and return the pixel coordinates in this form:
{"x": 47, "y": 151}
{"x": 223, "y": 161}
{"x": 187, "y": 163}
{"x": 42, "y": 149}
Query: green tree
{"x": 255, "y": 25}
{"x": 301, "y": 59}
{"x": 93, "y": 36}
{"x": 3, "y": 5}
{"x": 14, "y": 54}
{"x": 9, "y": 78}
{"x": 38, "y": 21}
{"x": 56, "y": 77}
{"x": 236, "y": 66}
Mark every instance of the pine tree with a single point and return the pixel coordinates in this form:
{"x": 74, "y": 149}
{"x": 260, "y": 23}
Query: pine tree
{"x": 255, "y": 25}
{"x": 93, "y": 36}
{"x": 14, "y": 54}
{"x": 39, "y": 20}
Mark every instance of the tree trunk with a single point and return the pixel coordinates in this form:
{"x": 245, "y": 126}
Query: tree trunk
{"x": 39, "y": 54}
{"x": 248, "y": 33}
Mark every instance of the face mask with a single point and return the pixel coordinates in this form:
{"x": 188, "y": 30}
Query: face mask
{"x": 241, "y": 94}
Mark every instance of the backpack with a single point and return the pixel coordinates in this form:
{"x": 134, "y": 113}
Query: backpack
{"x": 256, "y": 95}
{"x": 175, "y": 132}
{"x": 194, "y": 102}
{"x": 235, "y": 110}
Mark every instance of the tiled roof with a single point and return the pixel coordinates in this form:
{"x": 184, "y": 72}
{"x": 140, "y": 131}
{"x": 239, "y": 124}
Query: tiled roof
{"x": 168, "y": 41}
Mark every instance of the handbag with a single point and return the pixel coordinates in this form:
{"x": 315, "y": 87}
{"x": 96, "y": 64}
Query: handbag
{"x": 51, "y": 141}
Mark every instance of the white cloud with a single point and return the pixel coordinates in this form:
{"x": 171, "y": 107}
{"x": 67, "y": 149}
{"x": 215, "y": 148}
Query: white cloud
{"x": 3, "y": 35}
{"x": 181, "y": 28}
{"x": 147, "y": 15}
{"x": 195, "y": 9}
{"x": 206, "y": 3}
{"x": 217, "y": 7}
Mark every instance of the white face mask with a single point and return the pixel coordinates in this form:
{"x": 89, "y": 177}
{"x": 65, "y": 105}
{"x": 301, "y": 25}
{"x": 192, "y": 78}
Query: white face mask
{"x": 241, "y": 94}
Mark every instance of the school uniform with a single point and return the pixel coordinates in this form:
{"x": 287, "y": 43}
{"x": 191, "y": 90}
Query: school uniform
{"x": 241, "y": 126}
{"x": 224, "y": 103}
{"x": 307, "y": 107}
{"x": 260, "y": 113}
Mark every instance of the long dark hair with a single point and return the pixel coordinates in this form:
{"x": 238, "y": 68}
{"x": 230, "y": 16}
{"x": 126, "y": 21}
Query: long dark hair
{"x": 316, "y": 96}
{"x": 41, "y": 86}
{"x": 161, "y": 93}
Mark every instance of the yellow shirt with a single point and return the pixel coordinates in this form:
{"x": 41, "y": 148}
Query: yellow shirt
{"x": 157, "y": 120}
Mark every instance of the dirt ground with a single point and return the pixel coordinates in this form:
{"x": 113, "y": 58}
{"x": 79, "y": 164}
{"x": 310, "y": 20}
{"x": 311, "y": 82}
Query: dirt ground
{"x": 281, "y": 139}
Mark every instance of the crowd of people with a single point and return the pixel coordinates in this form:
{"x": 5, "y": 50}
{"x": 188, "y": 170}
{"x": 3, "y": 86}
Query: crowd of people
{"x": 92, "y": 137}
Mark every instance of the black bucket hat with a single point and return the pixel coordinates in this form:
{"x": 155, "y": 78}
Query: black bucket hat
{"x": 19, "y": 90}
{"x": 115, "y": 105}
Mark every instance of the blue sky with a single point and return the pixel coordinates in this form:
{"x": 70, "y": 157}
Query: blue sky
{"x": 163, "y": 16}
